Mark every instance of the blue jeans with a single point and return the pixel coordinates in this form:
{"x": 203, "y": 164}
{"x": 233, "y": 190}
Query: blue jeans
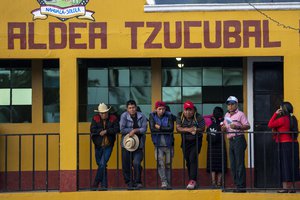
{"x": 102, "y": 155}
{"x": 130, "y": 159}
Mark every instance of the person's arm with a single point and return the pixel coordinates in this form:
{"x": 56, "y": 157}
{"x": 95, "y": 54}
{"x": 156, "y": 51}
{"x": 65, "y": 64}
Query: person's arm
{"x": 244, "y": 124}
{"x": 115, "y": 126}
{"x": 152, "y": 124}
{"x": 274, "y": 123}
{"x": 200, "y": 124}
{"x": 94, "y": 129}
{"x": 179, "y": 127}
{"x": 143, "y": 128}
{"x": 123, "y": 121}
{"x": 169, "y": 127}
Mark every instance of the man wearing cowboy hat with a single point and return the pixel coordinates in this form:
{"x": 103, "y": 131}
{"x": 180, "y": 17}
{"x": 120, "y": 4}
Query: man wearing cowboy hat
{"x": 191, "y": 125}
{"x": 133, "y": 126}
{"x": 104, "y": 128}
{"x": 235, "y": 124}
{"x": 162, "y": 127}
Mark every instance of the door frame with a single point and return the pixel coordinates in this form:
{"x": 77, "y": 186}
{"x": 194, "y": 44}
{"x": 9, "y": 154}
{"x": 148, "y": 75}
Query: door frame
{"x": 250, "y": 104}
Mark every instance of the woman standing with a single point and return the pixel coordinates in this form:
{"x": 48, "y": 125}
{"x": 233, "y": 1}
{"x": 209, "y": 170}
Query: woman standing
{"x": 284, "y": 121}
{"x": 214, "y": 148}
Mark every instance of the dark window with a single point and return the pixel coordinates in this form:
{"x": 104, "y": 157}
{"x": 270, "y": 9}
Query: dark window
{"x": 51, "y": 100}
{"x": 113, "y": 82}
{"x": 15, "y": 91}
{"x": 207, "y": 82}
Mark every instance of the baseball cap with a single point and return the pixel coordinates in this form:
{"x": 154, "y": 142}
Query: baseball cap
{"x": 160, "y": 104}
{"x": 188, "y": 105}
{"x": 232, "y": 99}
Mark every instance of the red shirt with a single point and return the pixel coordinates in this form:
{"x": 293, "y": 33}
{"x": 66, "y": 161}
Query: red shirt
{"x": 281, "y": 124}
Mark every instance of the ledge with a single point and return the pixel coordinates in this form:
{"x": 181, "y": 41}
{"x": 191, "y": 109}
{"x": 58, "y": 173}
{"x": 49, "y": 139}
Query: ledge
{"x": 222, "y": 7}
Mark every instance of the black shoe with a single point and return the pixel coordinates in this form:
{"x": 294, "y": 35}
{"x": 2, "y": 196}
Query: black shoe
{"x": 95, "y": 186}
{"x": 292, "y": 191}
{"x": 239, "y": 190}
{"x": 130, "y": 186}
{"x": 283, "y": 191}
{"x": 103, "y": 188}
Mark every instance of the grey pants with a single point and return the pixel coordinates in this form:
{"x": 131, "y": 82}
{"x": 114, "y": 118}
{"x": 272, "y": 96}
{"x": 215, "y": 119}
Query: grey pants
{"x": 163, "y": 157}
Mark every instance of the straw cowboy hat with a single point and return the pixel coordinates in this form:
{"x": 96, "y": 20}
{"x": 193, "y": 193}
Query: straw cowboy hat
{"x": 131, "y": 143}
{"x": 102, "y": 108}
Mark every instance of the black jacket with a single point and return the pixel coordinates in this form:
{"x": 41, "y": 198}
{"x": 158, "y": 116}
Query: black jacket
{"x": 112, "y": 127}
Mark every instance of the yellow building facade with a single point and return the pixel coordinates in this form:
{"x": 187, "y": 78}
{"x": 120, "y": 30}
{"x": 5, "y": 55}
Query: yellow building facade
{"x": 74, "y": 39}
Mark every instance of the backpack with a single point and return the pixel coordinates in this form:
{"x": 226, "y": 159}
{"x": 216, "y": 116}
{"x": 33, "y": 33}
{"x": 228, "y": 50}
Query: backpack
{"x": 294, "y": 127}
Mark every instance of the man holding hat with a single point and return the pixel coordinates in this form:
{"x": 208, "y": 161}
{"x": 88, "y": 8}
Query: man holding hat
{"x": 133, "y": 126}
{"x": 104, "y": 128}
{"x": 235, "y": 123}
{"x": 191, "y": 126}
{"x": 162, "y": 128}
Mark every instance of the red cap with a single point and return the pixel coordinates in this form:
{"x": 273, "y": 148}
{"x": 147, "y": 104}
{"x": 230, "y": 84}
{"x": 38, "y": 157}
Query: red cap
{"x": 160, "y": 104}
{"x": 188, "y": 105}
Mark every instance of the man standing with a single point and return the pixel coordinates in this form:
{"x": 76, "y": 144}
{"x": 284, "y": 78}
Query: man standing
{"x": 133, "y": 126}
{"x": 162, "y": 127}
{"x": 104, "y": 128}
{"x": 235, "y": 123}
{"x": 191, "y": 126}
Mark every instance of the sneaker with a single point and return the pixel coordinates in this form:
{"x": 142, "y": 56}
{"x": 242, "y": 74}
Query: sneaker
{"x": 164, "y": 185}
{"x": 138, "y": 186}
{"x": 191, "y": 185}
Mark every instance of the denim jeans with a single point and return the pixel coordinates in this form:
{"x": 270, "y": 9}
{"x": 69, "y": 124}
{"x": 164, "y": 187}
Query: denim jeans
{"x": 163, "y": 156}
{"x": 102, "y": 155}
{"x": 130, "y": 159}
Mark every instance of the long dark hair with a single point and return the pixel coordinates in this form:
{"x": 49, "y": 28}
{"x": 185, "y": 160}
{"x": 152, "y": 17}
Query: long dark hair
{"x": 288, "y": 109}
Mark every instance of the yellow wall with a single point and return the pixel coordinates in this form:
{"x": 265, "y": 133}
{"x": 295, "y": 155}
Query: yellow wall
{"x": 115, "y": 13}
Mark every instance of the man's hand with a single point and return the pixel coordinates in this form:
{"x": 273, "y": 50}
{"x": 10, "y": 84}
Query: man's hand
{"x": 223, "y": 128}
{"x": 102, "y": 132}
{"x": 157, "y": 126}
{"x": 235, "y": 127}
{"x": 133, "y": 131}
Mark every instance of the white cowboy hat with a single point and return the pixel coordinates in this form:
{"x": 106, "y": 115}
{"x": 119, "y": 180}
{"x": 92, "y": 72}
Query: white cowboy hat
{"x": 131, "y": 143}
{"x": 102, "y": 108}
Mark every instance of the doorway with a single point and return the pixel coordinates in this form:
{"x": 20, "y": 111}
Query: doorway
{"x": 267, "y": 96}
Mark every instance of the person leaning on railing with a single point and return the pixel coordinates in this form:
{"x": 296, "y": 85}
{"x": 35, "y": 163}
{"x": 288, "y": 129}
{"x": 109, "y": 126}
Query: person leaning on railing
{"x": 282, "y": 122}
{"x": 133, "y": 126}
{"x": 162, "y": 127}
{"x": 104, "y": 128}
{"x": 191, "y": 126}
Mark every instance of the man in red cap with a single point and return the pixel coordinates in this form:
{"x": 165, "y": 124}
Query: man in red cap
{"x": 191, "y": 126}
{"x": 162, "y": 128}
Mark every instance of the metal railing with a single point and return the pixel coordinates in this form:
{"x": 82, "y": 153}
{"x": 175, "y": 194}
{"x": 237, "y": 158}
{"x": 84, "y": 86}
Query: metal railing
{"x": 86, "y": 168}
{"x": 25, "y": 160}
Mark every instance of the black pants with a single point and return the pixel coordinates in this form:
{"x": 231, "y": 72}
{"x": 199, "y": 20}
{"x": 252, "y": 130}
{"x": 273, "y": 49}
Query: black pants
{"x": 130, "y": 159}
{"x": 191, "y": 150}
{"x": 237, "y": 147}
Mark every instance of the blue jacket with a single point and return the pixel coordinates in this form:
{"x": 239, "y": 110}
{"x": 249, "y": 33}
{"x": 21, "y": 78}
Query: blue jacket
{"x": 126, "y": 125}
{"x": 166, "y": 128}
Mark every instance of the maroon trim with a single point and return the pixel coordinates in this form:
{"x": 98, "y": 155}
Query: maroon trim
{"x": 68, "y": 181}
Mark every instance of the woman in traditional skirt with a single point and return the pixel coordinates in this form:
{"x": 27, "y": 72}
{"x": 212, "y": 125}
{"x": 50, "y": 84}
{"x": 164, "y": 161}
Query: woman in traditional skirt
{"x": 282, "y": 123}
